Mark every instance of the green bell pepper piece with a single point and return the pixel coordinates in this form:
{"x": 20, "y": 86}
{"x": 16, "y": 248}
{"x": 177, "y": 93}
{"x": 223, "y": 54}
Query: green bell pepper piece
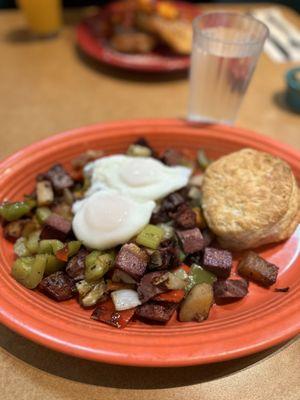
{"x": 20, "y": 248}
{"x": 29, "y": 271}
{"x": 32, "y": 243}
{"x": 42, "y": 213}
{"x": 53, "y": 264}
{"x": 13, "y": 211}
{"x": 73, "y": 247}
{"x": 50, "y": 246}
{"x": 96, "y": 270}
{"x": 198, "y": 275}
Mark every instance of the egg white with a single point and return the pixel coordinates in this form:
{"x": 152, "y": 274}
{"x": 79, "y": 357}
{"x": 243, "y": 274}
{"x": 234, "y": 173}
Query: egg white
{"x": 141, "y": 178}
{"x": 108, "y": 218}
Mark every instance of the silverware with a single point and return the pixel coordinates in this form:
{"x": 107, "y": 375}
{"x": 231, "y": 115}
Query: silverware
{"x": 293, "y": 42}
{"x": 279, "y": 47}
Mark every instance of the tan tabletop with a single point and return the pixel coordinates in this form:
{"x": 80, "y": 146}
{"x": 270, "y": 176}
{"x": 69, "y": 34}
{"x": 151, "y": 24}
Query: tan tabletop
{"x": 47, "y": 87}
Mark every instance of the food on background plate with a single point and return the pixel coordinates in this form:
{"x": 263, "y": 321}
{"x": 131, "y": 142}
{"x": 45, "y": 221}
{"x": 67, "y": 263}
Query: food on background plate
{"x": 250, "y": 198}
{"x": 176, "y": 33}
{"x": 129, "y": 236}
{"x": 141, "y": 26}
{"x": 133, "y": 42}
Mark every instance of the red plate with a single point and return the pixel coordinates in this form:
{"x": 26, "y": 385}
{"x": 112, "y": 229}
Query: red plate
{"x": 92, "y": 42}
{"x": 261, "y": 320}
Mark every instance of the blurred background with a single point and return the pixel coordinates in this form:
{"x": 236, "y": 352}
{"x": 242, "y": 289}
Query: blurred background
{"x": 79, "y": 3}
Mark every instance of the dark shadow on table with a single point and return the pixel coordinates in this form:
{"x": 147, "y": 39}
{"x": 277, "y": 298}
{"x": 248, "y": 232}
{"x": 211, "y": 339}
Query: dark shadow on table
{"x": 279, "y": 98}
{"x": 115, "y": 376}
{"x": 23, "y": 36}
{"x": 127, "y": 75}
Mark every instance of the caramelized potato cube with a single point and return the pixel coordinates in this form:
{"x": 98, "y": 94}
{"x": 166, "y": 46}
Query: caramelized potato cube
{"x": 14, "y": 230}
{"x": 255, "y": 268}
{"x": 197, "y": 304}
{"x": 44, "y": 192}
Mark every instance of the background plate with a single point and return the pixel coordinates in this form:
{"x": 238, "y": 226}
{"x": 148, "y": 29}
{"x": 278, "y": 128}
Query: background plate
{"x": 91, "y": 41}
{"x": 263, "y": 319}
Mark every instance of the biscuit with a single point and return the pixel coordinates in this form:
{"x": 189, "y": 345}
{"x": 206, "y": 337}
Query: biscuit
{"x": 250, "y": 198}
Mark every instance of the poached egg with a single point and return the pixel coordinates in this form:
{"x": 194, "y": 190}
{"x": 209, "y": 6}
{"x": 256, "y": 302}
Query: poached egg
{"x": 121, "y": 198}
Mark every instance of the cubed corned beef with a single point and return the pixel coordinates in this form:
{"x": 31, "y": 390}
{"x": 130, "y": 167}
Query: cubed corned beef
{"x": 195, "y": 258}
{"x": 219, "y": 262}
{"x": 165, "y": 257}
{"x": 230, "y": 289}
{"x": 172, "y": 157}
{"x": 161, "y": 312}
{"x": 159, "y": 216}
{"x": 172, "y": 202}
{"x": 59, "y": 286}
{"x": 56, "y": 227}
{"x": 184, "y": 217}
{"x": 59, "y": 177}
{"x": 191, "y": 240}
{"x": 133, "y": 260}
{"x": 147, "y": 287}
{"x": 76, "y": 265}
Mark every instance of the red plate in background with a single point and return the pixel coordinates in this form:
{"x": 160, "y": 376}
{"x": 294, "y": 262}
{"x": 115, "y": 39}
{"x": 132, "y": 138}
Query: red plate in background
{"x": 261, "y": 320}
{"x": 90, "y": 39}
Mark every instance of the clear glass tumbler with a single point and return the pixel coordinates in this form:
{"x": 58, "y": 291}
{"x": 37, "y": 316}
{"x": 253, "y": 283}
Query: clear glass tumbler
{"x": 226, "y": 47}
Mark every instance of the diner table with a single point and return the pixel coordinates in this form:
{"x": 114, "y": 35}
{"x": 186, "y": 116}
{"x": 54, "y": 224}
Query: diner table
{"x": 49, "y": 86}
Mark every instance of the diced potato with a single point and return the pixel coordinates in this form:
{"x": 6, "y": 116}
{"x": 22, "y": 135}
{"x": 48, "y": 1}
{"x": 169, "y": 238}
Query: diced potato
{"x": 136, "y": 150}
{"x": 84, "y": 287}
{"x": 64, "y": 210}
{"x": 14, "y": 230}
{"x": 255, "y": 268}
{"x": 92, "y": 297}
{"x": 44, "y": 193}
{"x": 169, "y": 281}
{"x": 197, "y": 304}
{"x": 31, "y": 226}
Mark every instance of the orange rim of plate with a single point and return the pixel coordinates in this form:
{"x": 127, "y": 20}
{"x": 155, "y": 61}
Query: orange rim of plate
{"x": 261, "y": 320}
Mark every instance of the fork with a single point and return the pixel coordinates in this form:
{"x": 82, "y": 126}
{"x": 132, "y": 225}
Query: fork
{"x": 292, "y": 41}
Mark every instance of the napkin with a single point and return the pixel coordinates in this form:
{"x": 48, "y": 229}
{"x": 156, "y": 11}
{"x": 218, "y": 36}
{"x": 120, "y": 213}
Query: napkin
{"x": 283, "y": 44}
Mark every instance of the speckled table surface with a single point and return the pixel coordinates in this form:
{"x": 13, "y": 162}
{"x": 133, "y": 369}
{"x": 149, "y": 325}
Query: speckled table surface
{"x": 47, "y": 87}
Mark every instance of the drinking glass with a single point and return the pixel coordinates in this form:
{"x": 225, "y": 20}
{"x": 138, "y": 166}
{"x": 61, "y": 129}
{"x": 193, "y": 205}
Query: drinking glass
{"x": 226, "y": 47}
{"x": 44, "y": 17}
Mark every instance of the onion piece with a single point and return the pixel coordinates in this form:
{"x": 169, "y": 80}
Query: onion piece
{"x": 125, "y": 299}
{"x": 196, "y": 180}
{"x": 169, "y": 281}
